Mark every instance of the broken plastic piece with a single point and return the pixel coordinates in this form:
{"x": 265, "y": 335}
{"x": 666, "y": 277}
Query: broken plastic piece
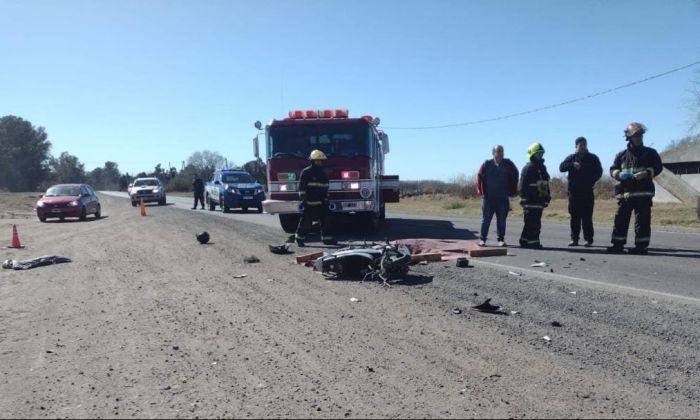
{"x": 539, "y": 264}
{"x": 239, "y": 276}
{"x": 546, "y": 338}
{"x": 514, "y": 273}
{"x": 354, "y": 299}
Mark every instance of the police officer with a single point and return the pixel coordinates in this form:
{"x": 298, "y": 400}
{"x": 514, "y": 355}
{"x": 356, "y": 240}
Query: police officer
{"x": 534, "y": 196}
{"x": 584, "y": 171}
{"x": 635, "y": 169}
{"x": 313, "y": 192}
{"x": 198, "y": 188}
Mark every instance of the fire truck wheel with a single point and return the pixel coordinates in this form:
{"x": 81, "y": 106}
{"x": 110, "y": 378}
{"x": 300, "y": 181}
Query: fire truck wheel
{"x": 289, "y": 222}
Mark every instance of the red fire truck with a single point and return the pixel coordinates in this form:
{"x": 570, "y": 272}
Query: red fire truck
{"x": 355, "y": 149}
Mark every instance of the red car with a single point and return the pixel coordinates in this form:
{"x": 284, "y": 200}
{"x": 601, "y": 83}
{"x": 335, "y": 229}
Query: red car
{"x": 68, "y": 200}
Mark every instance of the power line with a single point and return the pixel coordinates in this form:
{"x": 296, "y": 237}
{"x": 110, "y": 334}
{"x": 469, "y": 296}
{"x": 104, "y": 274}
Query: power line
{"x": 531, "y": 111}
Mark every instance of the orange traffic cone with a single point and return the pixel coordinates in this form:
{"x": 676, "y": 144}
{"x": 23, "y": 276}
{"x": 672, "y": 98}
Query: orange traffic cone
{"x": 15, "y": 238}
{"x": 143, "y": 208}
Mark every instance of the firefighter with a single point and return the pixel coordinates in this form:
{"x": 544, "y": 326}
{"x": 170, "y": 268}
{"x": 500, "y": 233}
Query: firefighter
{"x": 313, "y": 192}
{"x": 635, "y": 169}
{"x": 584, "y": 170}
{"x": 534, "y": 196}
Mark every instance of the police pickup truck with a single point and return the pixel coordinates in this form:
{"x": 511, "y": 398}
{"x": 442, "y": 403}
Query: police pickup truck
{"x": 234, "y": 188}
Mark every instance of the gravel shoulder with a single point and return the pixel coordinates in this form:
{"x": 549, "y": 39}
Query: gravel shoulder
{"x": 146, "y": 322}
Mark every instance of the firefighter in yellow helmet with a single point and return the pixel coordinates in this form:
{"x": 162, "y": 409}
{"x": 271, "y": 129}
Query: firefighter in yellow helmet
{"x": 313, "y": 192}
{"x": 635, "y": 169}
{"x": 534, "y": 196}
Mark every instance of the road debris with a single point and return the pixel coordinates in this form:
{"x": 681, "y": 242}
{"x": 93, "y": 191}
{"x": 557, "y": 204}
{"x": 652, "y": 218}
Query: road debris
{"x": 203, "y": 237}
{"x": 354, "y": 299}
{"x": 489, "y": 308}
{"x": 556, "y": 324}
{"x": 539, "y": 264}
{"x": 462, "y": 262}
{"x": 456, "y": 311}
{"x": 546, "y": 338}
{"x": 513, "y": 273}
{"x": 251, "y": 259}
{"x": 280, "y": 249}
{"x": 239, "y": 276}
{"x": 36, "y": 262}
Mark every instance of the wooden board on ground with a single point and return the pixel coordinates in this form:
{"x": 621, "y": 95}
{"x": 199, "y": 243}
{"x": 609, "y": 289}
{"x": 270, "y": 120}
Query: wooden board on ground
{"x": 487, "y": 252}
{"x": 308, "y": 257}
{"x": 432, "y": 256}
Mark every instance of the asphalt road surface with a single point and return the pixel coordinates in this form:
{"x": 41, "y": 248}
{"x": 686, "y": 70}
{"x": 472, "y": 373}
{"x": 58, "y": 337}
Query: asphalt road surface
{"x": 672, "y": 267}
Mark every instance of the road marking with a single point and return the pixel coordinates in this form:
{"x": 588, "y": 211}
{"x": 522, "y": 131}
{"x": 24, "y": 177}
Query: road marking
{"x": 556, "y": 276}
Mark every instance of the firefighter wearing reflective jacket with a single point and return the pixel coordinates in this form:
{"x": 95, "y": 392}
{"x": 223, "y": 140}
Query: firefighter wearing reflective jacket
{"x": 534, "y": 196}
{"x": 313, "y": 192}
{"x": 635, "y": 169}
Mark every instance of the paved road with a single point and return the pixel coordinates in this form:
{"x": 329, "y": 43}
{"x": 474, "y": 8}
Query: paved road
{"x": 671, "y": 269}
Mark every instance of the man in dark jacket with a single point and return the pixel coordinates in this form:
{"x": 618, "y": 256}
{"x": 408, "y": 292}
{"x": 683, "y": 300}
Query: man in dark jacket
{"x": 534, "y": 196}
{"x": 313, "y": 192}
{"x": 198, "y": 188}
{"x": 496, "y": 181}
{"x": 635, "y": 168}
{"x": 584, "y": 171}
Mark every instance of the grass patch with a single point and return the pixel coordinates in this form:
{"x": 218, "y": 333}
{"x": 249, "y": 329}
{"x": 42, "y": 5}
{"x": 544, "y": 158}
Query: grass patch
{"x": 454, "y": 205}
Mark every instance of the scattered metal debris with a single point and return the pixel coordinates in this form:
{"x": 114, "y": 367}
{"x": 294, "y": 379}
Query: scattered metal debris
{"x": 251, "y": 259}
{"x": 546, "y": 338}
{"x": 240, "y": 276}
{"x": 384, "y": 262}
{"x": 456, "y": 311}
{"x": 513, "y": 273}
{"x": 354, "y": 299}
{"x": 489, "y": 308}
{"x": 36, "y": 262}
{"x": 539, "y": 264}
{"x": 556, "y": 324}
{"x": 462, "y": 262}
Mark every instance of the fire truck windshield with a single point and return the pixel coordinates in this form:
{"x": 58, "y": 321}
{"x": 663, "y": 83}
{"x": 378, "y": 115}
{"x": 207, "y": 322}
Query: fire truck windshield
{"x": 335, "y": 140}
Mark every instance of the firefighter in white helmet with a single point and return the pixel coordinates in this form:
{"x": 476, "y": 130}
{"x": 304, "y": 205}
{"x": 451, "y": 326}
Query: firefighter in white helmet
{"x": 635, "y": 169}
{"x": 313, "y": 192}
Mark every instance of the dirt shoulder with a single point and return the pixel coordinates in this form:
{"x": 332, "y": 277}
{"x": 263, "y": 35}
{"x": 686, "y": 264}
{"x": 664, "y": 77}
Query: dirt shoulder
{"x": 145, "y": 322}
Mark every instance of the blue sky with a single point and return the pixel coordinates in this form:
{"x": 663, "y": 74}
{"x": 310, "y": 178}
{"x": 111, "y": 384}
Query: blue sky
{"x": 148, "y": 82}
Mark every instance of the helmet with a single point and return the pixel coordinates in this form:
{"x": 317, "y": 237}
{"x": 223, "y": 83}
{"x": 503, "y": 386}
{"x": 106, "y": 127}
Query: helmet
{"x": 203, "y": 237}
{"x": 317, "y": 155}
{"x": 534, "y": 149}
{"x": 634, "y": 128}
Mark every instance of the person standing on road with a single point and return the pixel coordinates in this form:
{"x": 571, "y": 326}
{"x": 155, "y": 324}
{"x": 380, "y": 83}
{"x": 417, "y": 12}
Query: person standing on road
{"x": 534, "y": 196}
{"x": 198, "y": 188}
{"x": 584, "y": 171}
{"x": 313, "y": 192}
{"x": 635, "y": 169}
{"x": 496, "y": 181}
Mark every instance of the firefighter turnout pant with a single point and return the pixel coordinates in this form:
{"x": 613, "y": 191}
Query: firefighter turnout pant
{"x": 532, "y": 215}
{"x": 310, "y": 213}
{"x": 581, "y": 211}
{"x": 642, "y": 221}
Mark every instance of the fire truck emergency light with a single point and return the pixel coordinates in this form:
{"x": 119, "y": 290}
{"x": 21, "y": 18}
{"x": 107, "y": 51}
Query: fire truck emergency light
{"x": 350, "y": 174}
{"x": 326, "y": 113}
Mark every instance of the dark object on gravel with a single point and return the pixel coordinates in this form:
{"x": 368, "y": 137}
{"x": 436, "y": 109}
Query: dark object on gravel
{"x": 36, "y": 262}
{"x": 280, "y": 249}
{"x": 556, "y": 324}
{"x": 203, "y": 237}
{"x": 251, "y": 259}
{"x": 489, "y": 308}
{"x": 462, "y": 262}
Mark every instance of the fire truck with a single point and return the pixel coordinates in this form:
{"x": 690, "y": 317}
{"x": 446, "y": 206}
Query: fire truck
{"x": 355, "y": 149}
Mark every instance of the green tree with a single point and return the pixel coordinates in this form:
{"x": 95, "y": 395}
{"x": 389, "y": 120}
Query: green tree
{"x": 206, "y": 162}
{"x": 67, "y": 169}
{"x": 24, "y": 154}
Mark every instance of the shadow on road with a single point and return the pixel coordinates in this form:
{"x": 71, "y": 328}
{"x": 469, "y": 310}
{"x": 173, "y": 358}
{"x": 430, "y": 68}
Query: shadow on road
{"x": 399, "y": 228}
{"x": 661, "y": 252}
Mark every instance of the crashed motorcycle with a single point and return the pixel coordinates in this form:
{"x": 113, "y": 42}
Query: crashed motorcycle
{"x": 385, "y": 262}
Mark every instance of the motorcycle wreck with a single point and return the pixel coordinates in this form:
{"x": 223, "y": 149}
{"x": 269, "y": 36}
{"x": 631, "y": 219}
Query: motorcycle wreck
{"x": 385, "y": 262}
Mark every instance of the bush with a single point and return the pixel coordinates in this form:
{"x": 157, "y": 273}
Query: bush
{"x": 454, "y": 205}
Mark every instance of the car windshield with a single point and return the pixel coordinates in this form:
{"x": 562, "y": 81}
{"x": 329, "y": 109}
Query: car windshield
{"x": 146, "y": 183}
{"x": 241, "y": 178}
{"x": 56, "y": 191}
{"x": 345, "y": 140}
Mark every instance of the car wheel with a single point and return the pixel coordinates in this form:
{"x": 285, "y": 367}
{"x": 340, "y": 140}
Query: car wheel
{"x": 83, "y": 213}
{"x": 223, "y": 205}
{"x": 98, "y": 212}
{"x": 42, "y": 219}
{"x": 62, "y": 218}
{"x": 245, "y": 209}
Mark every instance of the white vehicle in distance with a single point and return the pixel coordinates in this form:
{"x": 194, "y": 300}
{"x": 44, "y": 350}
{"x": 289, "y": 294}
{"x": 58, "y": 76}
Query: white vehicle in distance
{"x": 147, "y": 189}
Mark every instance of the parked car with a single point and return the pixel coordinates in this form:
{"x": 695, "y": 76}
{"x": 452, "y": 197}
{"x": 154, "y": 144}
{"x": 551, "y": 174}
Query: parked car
{"x": 231, "y": 188}
{"x": 149, "y": 189}
{"x": 68, "y": 200}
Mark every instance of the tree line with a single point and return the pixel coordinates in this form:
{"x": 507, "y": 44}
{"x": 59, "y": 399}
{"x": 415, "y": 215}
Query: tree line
{"x": 26, "y": 164}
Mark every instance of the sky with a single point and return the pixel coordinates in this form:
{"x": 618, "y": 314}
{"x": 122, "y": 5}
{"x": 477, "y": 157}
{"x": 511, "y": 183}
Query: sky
{"x": 148, "y": 82}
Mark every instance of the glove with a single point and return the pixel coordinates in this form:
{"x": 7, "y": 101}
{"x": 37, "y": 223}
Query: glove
{"x": 626, "y": 176}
